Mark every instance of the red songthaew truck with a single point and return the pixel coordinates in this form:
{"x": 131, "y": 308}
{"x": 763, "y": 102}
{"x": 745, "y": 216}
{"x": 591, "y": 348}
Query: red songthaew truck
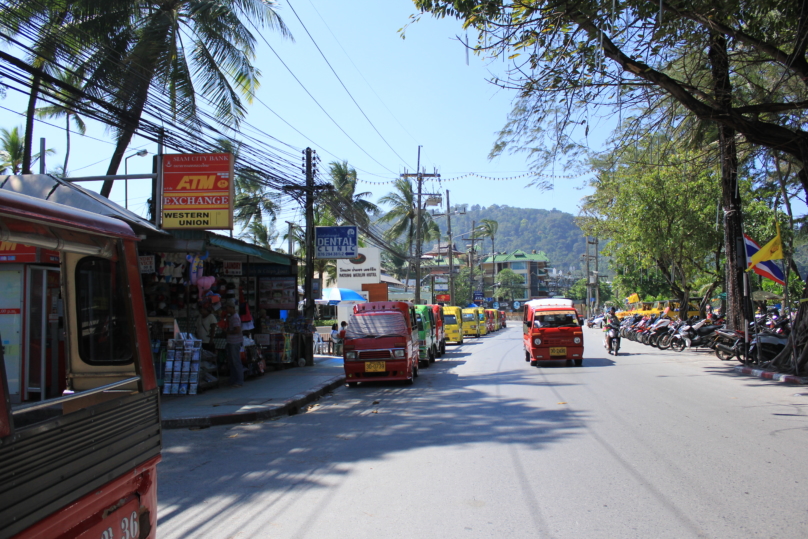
{"x": 81, "y": 461}
{"x": 552, "y": 331}
{"x": 381, "y": 343}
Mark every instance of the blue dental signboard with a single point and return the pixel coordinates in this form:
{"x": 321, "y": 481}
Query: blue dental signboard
{"x": 335, "y": 242}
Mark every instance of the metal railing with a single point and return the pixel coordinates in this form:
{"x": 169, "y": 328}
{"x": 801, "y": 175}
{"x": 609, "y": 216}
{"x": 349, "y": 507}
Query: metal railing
{"x": 60, "y": 400}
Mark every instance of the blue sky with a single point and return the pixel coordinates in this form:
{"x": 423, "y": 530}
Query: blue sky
{"x": 416, "y": 91}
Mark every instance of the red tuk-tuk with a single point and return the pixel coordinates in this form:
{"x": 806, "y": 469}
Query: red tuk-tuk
{"x": 502, "y": 318}
{"x": 381, "y": 343}
{"x": 552, "y": 331}
{"x": 79, "y": 462}
{"x": 440, "y": 329}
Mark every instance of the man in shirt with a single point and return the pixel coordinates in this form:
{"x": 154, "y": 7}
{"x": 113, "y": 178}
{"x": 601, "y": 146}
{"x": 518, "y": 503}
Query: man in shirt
{"x": 206, "y": 326}
{"x": 234, "y": 342}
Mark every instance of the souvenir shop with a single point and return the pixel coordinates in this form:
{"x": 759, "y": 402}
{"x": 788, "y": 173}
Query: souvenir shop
{"x": 193, "y": 274}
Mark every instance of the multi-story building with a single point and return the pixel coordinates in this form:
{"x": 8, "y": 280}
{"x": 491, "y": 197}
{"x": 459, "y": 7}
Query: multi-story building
{"x": 531, "y": 266}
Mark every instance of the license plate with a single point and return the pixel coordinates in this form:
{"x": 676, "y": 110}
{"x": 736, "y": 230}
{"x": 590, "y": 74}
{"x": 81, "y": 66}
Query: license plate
{"x": 375, "y": 366}
{"x": 558, "y": 351}
{"x": 121, "y": 523}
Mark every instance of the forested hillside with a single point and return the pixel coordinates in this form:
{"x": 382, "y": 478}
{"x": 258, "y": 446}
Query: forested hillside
{"x": 551, "y": 231}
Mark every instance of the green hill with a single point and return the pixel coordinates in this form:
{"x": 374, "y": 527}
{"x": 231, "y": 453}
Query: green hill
{"x": 551, "y": 231}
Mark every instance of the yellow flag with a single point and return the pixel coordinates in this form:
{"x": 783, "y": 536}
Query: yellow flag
{"x": 771, "y": 251}
{"x": 633, "y": 298}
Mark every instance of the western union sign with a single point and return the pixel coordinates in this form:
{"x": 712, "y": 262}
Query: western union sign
{"x": 198, "y": 191}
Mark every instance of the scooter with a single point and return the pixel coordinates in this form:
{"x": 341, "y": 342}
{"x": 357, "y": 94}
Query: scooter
{"x": 612, "y": 335}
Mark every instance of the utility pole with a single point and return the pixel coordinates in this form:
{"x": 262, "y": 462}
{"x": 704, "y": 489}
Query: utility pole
{"x": 419, "y": 175}
{"x": 308, "y": 289}
{"x": 289, "y": 238}
{"x": 473, "y": 240}
{"x": 597, "y": 277}
{"x": 588, "y": 286}
{"x": 448, "y": 215}
{"x": 451, "y": 249}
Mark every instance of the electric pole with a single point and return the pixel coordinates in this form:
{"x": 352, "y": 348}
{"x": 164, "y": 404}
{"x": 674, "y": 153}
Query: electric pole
{"x": 448, "y": 215}
{"x": 419, "y": 175}
{"x": 308, "y": 288}
{"x": 473, "y": 240}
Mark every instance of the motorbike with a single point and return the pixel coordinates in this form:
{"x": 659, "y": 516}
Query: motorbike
{"x": 700, "y": 334}
{"x": 611, "y": 339}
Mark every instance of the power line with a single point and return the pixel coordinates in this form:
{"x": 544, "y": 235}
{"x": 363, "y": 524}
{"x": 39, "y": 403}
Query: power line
{"x": 289, "y": 3}
{"x": 318, "y": 103}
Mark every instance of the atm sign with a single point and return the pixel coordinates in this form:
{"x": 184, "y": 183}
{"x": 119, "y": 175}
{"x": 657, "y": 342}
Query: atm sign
{"x": 198, "y": 191}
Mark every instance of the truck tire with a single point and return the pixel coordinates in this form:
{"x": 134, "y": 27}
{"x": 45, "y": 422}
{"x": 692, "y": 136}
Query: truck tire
{"x": 579, "y": 362}
{"x": 432, "y": 355}
{"x": 527, "y": 355}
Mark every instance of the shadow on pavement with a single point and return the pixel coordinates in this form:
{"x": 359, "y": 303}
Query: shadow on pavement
{"x": 221, "y": 469}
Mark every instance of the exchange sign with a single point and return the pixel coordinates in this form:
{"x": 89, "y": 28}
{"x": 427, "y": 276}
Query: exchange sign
{"x": 198, "y": 191}
{"x": 335, "y": 242}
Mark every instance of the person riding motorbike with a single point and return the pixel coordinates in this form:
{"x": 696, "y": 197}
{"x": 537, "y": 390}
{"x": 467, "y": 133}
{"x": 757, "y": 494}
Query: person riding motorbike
{"x": 611, "y": 320}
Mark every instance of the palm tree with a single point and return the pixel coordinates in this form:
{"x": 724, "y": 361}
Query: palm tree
{"x": 344, "y": 179}
{"x": 403, "y": 215}
{"x": 179, "y": 48}
{"x": 260, "y": 234}
{"x": 12, "y": 150}
{"x": 254, "y": 202}
{"x": 488, "y": 229}
{"x": 66, "y": 110}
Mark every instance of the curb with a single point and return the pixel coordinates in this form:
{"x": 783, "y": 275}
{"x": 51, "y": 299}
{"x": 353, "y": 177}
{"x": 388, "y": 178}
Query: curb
{"x": 769, "y": 375}
{"x": 289, "y": 407}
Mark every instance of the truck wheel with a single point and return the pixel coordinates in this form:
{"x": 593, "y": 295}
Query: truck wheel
{"x": 534, "y": 363}
{"x": 351, "y": 384}
{"x": 415, "y": 371}
{"x": 443, "y": 347}
{"x": 579, "y": 362}
{"x": 432, "y": 355}
{"x": 527, "y": 355}
{"x": 424, "y": 364}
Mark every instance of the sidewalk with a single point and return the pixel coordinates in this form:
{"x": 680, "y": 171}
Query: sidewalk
{"x": 272, "y": 394}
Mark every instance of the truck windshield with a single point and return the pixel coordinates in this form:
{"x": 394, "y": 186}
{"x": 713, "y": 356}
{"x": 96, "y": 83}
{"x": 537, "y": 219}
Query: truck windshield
{"x": 370, "y": 325}
{"x": 468, "y": 317}
{"x": 449, "y": 319}
{"x": 555, "y": 320}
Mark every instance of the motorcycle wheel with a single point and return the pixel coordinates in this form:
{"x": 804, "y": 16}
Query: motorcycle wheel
{"x": 653, "y": 340}
{"x": 677, "y": 344}
{"x": 723, "y": 356}
{"x": 664, "y": 342}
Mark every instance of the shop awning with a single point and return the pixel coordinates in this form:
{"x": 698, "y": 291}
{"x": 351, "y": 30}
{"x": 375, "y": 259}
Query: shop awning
{"x": 218, "y": 246}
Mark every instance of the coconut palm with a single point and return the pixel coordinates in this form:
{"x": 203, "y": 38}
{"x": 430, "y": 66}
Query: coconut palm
{"x": 12, "y": 149}
{"x": 180, "y": 48}
{"x": 488, "y": 229}
{"x": 66, "y": 110}
{"x": 260, "y": 234}
{"x": 403, "y": 216}
{"x": 344, "y": 179}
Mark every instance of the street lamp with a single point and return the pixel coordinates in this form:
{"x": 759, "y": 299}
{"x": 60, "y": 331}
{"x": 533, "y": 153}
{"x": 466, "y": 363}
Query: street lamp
{"x": 139, "y": 153}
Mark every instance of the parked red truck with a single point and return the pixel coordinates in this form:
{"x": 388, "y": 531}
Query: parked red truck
{"x": 381, "y": 343}
{"x": 81, "y": 462}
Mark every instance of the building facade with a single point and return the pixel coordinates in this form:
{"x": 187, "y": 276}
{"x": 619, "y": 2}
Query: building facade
{"x": 531, "y": 266}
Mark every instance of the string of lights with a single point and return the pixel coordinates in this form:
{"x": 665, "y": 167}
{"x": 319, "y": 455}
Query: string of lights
{"x": 491, "y": 178}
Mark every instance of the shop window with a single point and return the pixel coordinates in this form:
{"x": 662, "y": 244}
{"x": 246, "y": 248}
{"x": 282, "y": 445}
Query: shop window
{"x": 104, "y": 324}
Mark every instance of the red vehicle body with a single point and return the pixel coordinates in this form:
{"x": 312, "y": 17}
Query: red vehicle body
{"x": 440, "y": 329}
{"x": 381, "y": 343}
{"x": 552, "y": 331}
{"x": 490, "y": 320}
{"x": 502, "y": 318}
{"x": 83, "y": 464}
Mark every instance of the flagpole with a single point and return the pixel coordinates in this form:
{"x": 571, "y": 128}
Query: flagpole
{"x": 745, "y": 306}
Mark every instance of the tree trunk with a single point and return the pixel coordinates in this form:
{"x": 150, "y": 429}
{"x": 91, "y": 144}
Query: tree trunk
{"x": 29, "y": 125}
{"x": 730, "y": 196}
{"x": 129, "y": 124}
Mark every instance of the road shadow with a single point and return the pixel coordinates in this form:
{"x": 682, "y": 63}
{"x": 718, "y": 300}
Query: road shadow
{"x": 223, "y": 469}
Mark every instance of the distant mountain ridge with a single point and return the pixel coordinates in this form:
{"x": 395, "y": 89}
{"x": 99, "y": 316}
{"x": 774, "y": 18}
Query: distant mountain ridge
{"x": 551, "y": 231}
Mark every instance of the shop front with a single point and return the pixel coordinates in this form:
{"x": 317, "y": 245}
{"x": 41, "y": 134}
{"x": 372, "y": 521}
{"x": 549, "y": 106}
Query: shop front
{"x": 192, "y": 273}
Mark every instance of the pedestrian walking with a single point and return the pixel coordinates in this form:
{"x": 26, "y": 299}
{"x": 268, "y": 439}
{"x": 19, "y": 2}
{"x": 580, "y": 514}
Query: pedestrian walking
{"x": 234, "y": 341}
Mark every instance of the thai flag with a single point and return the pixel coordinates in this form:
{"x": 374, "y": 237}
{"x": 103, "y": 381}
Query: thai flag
{"x": 768, "y": 269}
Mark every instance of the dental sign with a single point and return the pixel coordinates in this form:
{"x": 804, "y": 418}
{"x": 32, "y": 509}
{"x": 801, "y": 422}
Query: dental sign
{"x": 198, "y": 191}
{"x": 335, "y": 242}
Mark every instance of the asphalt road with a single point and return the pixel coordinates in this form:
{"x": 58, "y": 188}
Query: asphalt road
{"x": 645, "y": 445}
